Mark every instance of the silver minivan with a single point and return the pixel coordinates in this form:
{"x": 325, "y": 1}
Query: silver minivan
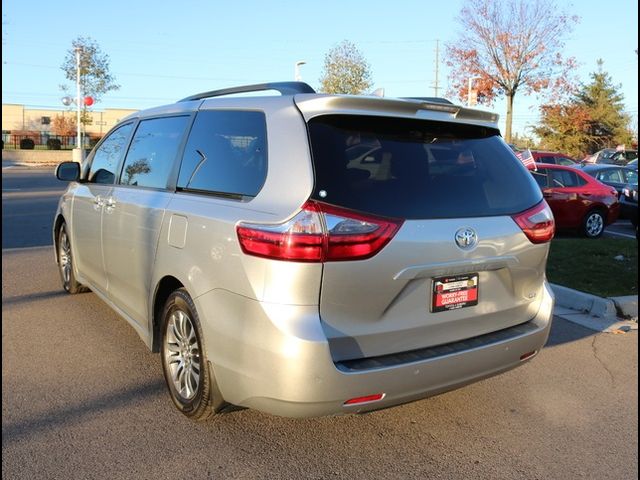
{"x": 308, "y": 254}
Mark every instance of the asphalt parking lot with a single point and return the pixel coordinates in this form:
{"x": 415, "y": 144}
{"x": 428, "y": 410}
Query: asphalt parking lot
{"x": 82, "y": 397}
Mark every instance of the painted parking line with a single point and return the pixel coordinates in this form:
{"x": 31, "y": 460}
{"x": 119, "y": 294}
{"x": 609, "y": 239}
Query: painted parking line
{"x": 626, "y": 235}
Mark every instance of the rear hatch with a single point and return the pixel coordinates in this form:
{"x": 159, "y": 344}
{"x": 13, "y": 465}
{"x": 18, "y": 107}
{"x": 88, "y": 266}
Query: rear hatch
{"x": 458, "y": 265}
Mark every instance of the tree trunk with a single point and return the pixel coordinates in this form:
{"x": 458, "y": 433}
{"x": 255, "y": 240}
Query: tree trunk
{"x": 509, "y": 120}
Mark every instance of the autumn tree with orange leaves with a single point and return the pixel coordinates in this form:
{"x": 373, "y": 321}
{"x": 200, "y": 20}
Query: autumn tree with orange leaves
{"x": 593, "y": 117}
{"x": 61, "y": 125}
{"x": 510, "y": 45}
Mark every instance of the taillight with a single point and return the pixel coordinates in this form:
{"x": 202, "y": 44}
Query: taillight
{"x": 319, "y": 233}
{"x": 537, "y": 223}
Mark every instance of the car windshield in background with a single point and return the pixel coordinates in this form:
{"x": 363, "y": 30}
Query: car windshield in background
{"x": 417, "y": 169}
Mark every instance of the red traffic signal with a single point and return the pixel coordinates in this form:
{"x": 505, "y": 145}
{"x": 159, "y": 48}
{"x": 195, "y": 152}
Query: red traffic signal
{"x": 88, "y": 101}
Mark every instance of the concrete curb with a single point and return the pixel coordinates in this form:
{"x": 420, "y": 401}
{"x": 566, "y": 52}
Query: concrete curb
{"x": 6, "y": 164}
{"x": 627, "y": 306}
{"x": 584, "y": 302}
{"x": 609, "y": 315}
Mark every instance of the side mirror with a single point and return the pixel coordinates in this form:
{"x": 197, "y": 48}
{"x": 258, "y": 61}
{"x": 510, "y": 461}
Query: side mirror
{"x": 68, "y": 171}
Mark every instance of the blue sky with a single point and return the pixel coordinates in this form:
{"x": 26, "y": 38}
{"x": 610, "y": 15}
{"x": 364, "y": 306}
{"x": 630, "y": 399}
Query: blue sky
{"x": 162, "y": 51}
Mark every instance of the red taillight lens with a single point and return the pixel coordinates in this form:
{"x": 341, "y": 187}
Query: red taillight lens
{"x": 537, "y": 223}
{"x": 319, "y": 233}
{"x": 352, "y": 236}
{"x": 300, "y": 239}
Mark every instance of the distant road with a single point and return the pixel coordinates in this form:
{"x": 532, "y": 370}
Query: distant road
{"x": 29, "y": 201}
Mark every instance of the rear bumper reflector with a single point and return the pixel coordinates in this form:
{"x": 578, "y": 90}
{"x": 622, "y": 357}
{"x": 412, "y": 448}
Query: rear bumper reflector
{"x": 365, "y": 399}
{"x": 527, "y": 355}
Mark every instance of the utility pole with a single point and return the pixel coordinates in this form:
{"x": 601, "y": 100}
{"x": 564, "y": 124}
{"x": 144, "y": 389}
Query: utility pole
{"x": 296, "y": 75}
{"x": 436, "y": 88}
{"x": 78, "y": 152}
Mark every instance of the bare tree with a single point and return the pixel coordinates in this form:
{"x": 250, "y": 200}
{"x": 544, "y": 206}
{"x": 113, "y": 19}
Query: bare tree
{"x": 345, "y": 70}
{"x": 509, "y": 45}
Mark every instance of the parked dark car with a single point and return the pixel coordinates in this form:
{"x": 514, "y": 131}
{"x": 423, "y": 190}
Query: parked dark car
{"x": 629, "y": 204}
{"x": 577, "y": 200}
{"x": 554, "y": 158}
{"x": 614, "y": 176}
{"x": 612, "y": 156}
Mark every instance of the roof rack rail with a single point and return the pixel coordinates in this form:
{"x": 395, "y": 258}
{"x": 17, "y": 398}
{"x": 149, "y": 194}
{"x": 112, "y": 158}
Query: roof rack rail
{"x": 430, "y": 99}
{"x": 285, "y": 88}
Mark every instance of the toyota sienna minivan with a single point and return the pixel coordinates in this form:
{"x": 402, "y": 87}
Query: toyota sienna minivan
{"x": 306, "y": 254}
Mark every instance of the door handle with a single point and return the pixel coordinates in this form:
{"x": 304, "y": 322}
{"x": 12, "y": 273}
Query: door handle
{"x": 98, "y": 202}
{"x": 110, "y": 204}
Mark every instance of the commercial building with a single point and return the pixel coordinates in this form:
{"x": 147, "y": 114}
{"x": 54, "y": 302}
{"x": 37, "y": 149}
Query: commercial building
{"x": 20, "y": 118}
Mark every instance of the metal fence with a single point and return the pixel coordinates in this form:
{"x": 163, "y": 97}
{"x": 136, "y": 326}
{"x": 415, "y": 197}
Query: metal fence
{"x": 44, "y": 141}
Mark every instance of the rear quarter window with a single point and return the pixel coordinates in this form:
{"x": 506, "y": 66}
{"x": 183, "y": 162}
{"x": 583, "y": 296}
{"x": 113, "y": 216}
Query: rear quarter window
{"x": 417, "y": 169}
{"x": 226, "y": 153}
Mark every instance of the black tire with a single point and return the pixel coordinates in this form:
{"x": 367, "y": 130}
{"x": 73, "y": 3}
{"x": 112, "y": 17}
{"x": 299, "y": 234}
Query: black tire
{"x": 65, "y": 263}
{"x": 186, "y": 370}
{"x": 593, "y": 224}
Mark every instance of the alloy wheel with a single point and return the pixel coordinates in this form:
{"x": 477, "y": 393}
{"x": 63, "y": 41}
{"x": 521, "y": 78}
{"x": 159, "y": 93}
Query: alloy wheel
{"x": 182, "y": 354}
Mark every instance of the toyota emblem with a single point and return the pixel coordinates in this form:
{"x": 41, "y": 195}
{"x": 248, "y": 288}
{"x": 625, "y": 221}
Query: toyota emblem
{"x": 466, "y": 238}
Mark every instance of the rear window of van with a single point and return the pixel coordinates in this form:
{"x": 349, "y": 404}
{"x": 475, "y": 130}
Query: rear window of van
{"x": 417, "y": 169}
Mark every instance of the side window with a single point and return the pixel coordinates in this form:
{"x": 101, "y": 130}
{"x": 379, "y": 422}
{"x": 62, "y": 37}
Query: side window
{"x": 564, "y": 179}
{"x": 610, "y": 176}
{"x": 563, "y": 161}
{"x": 546, "y": 159}
{"x": 632, "y": 177}
{"x": 226, "y": 153}
{"x": 540, "y": 177}
{"x": 153, "y": 150}
{"x": 105, "y": 160}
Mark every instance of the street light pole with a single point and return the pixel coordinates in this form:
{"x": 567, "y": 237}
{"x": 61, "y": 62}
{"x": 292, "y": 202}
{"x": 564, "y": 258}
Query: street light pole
{"x": 471, "y": 79}
{"x": 78, "y": 153}
{"x": 297, "y": 76}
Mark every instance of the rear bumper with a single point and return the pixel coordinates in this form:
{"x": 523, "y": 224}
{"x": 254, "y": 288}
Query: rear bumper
{"x": 613, "y": 214}
{"x": 276, "y": 358}
{"x": 629, "y": 211}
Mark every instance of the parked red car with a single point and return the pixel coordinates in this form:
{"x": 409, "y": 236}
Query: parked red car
{"x": 578, "y": 200}
{"x": 555, "y": 158}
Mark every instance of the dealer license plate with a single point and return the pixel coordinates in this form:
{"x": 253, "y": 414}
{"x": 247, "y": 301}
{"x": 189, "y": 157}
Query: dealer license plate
{"x": 456, "y": 291}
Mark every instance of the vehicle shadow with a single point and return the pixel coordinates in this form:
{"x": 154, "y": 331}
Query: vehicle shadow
{"x": 564, "y": 331}
{"x": 12, "y": 432}
{"x": 33, "y": 297}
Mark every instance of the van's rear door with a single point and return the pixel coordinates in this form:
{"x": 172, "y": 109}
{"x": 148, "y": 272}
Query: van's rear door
{"x": 458, "y": 267}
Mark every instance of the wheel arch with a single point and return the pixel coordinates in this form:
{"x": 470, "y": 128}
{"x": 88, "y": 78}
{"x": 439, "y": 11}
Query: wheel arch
{"x": 56, "y": 231}
{"x": 165, "y": 286}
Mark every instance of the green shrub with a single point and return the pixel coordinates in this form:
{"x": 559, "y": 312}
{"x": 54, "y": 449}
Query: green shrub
{"x": 27, "y": 144}
{"x": 54, "y": 144}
